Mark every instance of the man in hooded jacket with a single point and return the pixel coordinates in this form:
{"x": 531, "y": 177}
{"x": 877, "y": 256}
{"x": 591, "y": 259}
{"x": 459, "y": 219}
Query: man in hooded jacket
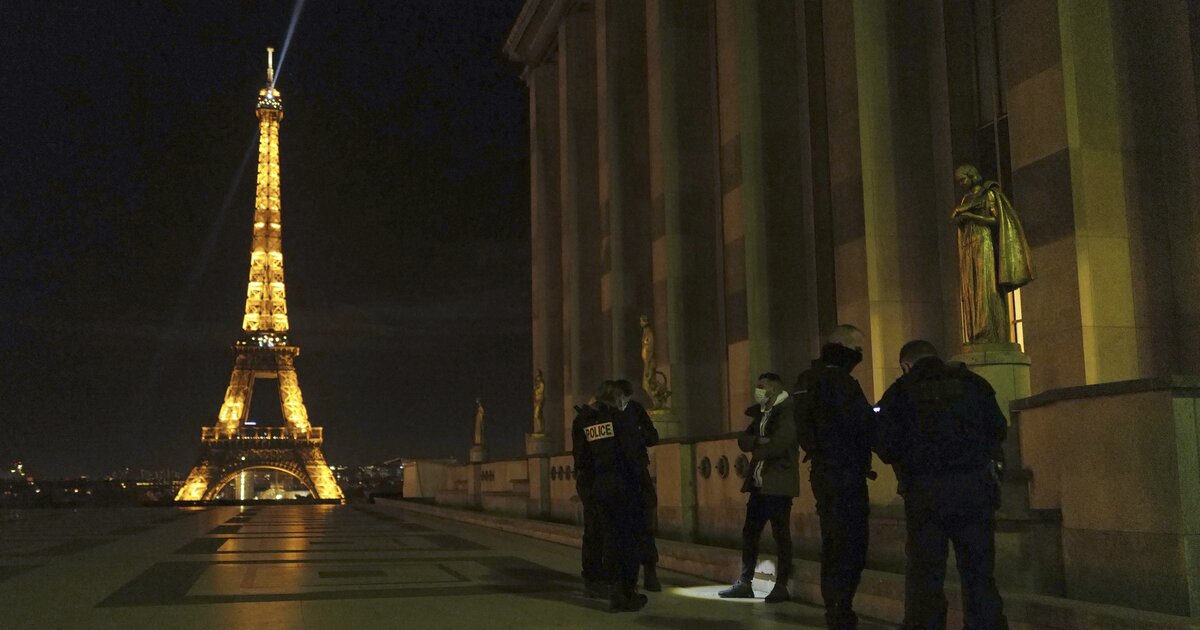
{"x": 772, "y": 483}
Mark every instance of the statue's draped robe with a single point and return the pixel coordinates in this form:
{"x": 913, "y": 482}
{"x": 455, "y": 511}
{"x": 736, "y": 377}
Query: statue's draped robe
{"x": 994, "y": 260}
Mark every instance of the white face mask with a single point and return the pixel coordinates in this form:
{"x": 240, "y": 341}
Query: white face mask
{"x": 760, "y": 395}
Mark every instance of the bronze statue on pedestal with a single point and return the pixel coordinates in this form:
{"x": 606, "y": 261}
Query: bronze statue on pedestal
{"x": 993, "y": 257}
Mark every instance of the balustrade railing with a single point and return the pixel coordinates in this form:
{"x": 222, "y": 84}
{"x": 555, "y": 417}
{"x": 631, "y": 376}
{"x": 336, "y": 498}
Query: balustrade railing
{"x": 214, "y": 434}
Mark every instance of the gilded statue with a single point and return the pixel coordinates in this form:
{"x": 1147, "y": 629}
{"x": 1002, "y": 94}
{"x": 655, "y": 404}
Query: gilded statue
{"x": 654, "y": 381}
{"x": 993, "y": 257}
{"x": 478, "y": 422}
{"x": 539, "y": 403}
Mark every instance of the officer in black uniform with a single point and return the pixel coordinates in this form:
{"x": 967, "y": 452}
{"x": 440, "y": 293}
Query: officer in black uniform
{"x": 939, "y": 426}
{"x": 609, "y": 460}
{"x": 834, "y": 423}
{"x": 636, "y": 412}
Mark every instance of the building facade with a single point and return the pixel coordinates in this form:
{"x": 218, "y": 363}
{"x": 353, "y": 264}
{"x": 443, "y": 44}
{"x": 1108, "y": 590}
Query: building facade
{"x": 749, "y": 173}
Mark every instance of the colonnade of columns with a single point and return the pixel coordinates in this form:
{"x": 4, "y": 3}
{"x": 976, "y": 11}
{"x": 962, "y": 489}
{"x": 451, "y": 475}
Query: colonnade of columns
{"x": 749, "y": 172}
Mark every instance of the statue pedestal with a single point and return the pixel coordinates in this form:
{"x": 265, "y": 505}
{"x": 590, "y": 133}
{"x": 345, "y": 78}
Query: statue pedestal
{"x": 1004, "y": 366}
{"x": 537, "y": 444}
{"x": 667, "y": 423}
{"x": 479, "y": 454}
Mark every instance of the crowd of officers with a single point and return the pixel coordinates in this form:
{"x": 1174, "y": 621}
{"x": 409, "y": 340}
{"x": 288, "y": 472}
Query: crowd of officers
{"x": 938, "y": 426}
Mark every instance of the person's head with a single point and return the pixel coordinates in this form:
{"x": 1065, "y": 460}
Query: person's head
{"x": 914, "y": 351}
{"x": 769, "y": 387}
{"x": 966, "y": 175}
{"x": 624, "y": 392}
{"x": 606, "y": 394}
{"x": 846, "y": 336}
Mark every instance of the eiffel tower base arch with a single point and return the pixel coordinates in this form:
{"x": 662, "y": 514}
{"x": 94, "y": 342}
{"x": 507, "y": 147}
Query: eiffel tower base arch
{"x": 221, "y": 461}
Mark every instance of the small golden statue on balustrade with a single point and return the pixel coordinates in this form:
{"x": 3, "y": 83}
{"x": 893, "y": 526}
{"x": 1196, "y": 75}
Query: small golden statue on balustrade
{"x": 539, "y": 403}
{"x": 654, "y": 381}
{"x": 478, "y": 422}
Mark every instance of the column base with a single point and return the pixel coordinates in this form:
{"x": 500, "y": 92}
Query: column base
{"x": 1006, "y": 368}
{"x": 479, "y": 454}
{"x": 1001, "y": 364}
{"x": 538, "y": 444}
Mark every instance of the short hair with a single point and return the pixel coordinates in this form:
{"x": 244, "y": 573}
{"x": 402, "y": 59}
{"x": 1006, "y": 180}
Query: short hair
{"x": 969, "y": 172}
{"x": 846, "y": 335}
{"x": 770, "y": 376}
{"x": 607, "y": 393}
{"x": 916, "y": 350}
{"x": 624, "y": 386}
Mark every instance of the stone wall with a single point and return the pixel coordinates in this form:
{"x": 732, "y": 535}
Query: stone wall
{"x": 1102, "y": 497}
{"x": 1120, "y": 462}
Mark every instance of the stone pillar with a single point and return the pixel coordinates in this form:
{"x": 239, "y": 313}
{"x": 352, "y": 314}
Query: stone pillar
{"x": 681, "y": 77}
{"x": 624, "y": 175}
{"x": 580, "y": 212}
{"x": 817, "y": 207}
{"x": 546, "y": 244}
{"x": 781, "y": 319}
{"x": 539, "y": 486}
{"x": 885, "y": 224}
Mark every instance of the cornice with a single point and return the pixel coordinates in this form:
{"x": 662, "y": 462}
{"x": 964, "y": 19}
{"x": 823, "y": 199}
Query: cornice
{"x": 534, "y": 34}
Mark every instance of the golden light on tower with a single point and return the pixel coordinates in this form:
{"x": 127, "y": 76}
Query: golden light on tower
{"x": 231, "y": 447}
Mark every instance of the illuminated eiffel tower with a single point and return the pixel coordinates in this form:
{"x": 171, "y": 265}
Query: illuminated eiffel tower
{"x": 231, "y": 448}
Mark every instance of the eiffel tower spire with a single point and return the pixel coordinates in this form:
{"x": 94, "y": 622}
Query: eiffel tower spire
{"x": 266, "y": 296}
{"x": 231, "y": 448}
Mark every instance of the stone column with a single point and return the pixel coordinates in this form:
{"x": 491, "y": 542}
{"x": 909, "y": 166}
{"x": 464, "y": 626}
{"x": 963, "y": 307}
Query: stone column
{"x": 580, "y": 194}
{"x": 780, "y": 317}
{"x": 624, "y": 174}
{"x": 546, "y": 243}
{"x": 683, "y": 77}
{"x": 817, "y": 206}
{"x": 885, "y": 223}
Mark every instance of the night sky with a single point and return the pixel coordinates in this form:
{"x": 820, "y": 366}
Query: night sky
{"x": 124, "y": 241}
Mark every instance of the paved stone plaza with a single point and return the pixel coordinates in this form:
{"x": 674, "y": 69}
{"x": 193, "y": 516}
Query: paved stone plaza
{"x": 318, "y": 566}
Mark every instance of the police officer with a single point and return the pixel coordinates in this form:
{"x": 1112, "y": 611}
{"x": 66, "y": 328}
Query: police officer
{"x": 834, "y": 423}
{"x": 636, "y": 412}
{"x": 609, "y": 460}
{"x": 940, "y": 429}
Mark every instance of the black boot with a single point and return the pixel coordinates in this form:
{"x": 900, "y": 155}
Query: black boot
{"x": 840, "y": 616}
{"x": 780, "y": 593}
{"x": 626, "y": 599}
{"x": 650, "y": 578}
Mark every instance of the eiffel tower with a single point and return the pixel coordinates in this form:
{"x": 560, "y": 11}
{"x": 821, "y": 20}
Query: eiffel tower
{"x": 231, "y": 447}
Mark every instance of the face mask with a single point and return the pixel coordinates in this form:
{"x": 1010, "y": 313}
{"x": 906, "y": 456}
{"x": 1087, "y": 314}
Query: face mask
{"x": 760, "y": 395}
{"x": 624, "y": 403}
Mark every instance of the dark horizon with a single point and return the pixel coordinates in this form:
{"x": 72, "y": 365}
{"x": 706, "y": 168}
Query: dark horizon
{"x": 404, "y": 166}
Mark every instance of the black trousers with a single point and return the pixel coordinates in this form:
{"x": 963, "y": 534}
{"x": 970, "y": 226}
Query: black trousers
{"x": 957, "y": 510}
{"x": 621, "y": 523}
{"x": 760, "y": 510}
{"x": 844, "y": 510}
{"x": 650, "y": 508}
{"x": 592, "y": 547}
